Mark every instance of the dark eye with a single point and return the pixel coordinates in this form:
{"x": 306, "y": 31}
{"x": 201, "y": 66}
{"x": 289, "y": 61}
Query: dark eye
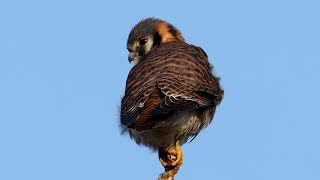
{"x": 142, "y": 41}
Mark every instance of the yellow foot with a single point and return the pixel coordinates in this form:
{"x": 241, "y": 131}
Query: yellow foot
{"x": 171, "y": 160}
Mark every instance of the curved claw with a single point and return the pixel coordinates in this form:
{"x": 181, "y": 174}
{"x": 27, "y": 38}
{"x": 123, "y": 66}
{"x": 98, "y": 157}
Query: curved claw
{"x": 172, "y": 159}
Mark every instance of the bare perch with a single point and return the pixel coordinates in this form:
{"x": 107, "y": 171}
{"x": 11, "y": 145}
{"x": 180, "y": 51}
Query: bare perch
{"x": 169, "y": 173}
{"x": 165, "y": 176}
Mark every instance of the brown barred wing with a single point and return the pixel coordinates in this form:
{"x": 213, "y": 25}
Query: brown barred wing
{"x": 173, "y": 77}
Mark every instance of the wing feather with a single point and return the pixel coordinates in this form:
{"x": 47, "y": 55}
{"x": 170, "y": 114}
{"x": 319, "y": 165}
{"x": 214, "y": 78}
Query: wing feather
{"x": 173, "y": 77}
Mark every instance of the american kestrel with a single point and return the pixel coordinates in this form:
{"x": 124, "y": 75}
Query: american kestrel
{"x": 171, "y": 92}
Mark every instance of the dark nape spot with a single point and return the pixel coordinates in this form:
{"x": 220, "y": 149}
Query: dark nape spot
{"x": 156, "y": 39}
{"x": 172, "y": 30}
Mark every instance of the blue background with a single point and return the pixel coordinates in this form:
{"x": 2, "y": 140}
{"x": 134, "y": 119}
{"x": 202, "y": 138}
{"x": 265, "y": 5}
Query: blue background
{"x": 63, "y": 66}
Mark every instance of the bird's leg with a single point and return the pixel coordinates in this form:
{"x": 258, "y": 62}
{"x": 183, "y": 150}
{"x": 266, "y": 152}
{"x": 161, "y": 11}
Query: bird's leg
{"x": 171, "y": 159}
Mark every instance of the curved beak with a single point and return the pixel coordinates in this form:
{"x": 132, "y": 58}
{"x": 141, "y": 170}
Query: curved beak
{"x": 130, "y": 57}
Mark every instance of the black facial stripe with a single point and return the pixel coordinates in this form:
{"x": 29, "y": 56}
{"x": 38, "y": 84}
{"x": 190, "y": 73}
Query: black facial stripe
{"x": 141, "y": 52}
{"x": 156, "y": 39}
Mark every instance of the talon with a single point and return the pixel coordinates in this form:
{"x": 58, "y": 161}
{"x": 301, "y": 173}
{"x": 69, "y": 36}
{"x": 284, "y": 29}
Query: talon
{"x": 171, "y": 160}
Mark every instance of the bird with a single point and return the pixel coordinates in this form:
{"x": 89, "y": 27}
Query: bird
{"x": 171, "y": 91}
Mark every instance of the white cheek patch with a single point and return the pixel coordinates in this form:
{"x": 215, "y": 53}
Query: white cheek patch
{"x": 149, "y": 44}
{"x": 147, "y": 47}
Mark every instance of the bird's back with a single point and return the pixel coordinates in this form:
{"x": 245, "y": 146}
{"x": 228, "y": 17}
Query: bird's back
{"x": 180, "y": 74}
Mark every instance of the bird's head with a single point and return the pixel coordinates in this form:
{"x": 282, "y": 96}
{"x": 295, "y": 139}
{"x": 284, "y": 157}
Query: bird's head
{"x": 147, "y": 35}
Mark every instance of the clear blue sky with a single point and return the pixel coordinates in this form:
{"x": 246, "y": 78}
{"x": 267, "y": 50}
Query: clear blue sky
{"x": 63, "y": 66}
